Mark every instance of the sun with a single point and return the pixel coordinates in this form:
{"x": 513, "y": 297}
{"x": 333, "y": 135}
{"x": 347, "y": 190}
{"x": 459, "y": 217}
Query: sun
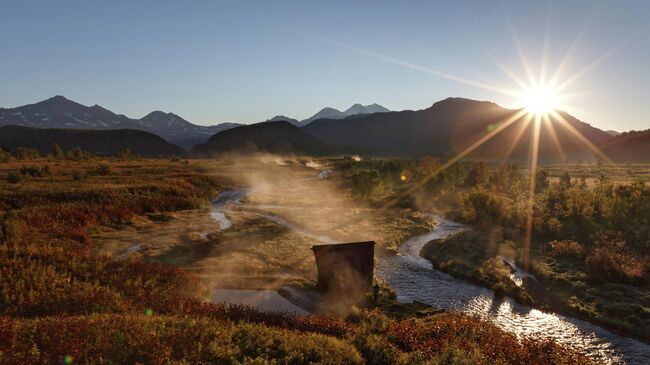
{"x": 540, "y": 100}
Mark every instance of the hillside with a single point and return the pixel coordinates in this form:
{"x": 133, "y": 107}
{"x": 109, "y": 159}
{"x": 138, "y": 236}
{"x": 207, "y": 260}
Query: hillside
{"x": 447, "y": 128}
{"x": 629, "y": 147}
{"x": 273, "y": 137}
{"x": 103, "y": 142}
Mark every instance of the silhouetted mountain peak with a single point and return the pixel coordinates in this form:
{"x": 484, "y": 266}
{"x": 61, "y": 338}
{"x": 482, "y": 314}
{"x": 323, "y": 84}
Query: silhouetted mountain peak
{"x": 59, "y": 101}
{"x": 283, "y": 118}
{"x": 333, "y": 113}
{"x": 365, "y": 109}
{"x": 456, "y": 101}
{"x": 328, "y": 109}
{"x": 58, "y": 98}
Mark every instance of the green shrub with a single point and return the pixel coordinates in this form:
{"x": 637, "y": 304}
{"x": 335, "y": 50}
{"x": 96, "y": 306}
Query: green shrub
{"x": 26, "y": 153}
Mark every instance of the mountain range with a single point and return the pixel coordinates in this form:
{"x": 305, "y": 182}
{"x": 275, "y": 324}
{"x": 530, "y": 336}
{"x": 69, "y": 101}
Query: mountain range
{"x": 449, "y": 127}
{"x": 445, "y": 129}
{"x": 60, "y": 112}
{"x": 333, "y": 113}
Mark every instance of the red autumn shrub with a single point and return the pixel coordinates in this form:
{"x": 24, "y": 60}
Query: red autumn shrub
{"x": 570, "y": 249}
{"x": 615, "y": 264}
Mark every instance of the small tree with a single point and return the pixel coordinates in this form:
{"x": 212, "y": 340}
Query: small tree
{"x": 4, "y": 155}
{"x": 58, "y": 152}
{"x": 541, "y": 180}
{"x": 565, "y": 180}
{"x": 126, "y": 154}
{"x": 77, "y": 154}
{"x": 26, "y": 153}
{"x": 479, "y": 175}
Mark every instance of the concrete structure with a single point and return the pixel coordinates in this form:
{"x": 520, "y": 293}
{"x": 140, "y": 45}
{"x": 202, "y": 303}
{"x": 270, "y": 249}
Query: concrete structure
{"x": 345, "y": 268}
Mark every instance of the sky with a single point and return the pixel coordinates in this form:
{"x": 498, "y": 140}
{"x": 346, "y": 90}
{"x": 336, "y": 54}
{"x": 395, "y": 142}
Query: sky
{"x": 247, "y": 61}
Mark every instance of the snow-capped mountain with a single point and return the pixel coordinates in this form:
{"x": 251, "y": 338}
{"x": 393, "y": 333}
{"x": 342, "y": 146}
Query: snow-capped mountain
{"x": 178, "y": 130}
{"x": 333, "y": 113}
{"x": 59, "y": 112}
{"x": 365, "y": 109}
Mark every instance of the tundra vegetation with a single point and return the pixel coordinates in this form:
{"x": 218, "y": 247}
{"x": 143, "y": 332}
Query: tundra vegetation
{"x": 60, "y": 302}
{"x": 590, "y": 243}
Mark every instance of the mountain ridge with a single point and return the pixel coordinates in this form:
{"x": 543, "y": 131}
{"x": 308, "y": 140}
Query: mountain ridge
{"x": 60, "y": 112}
{"x": 333, "y": 113}
{"x": 447, "y": 128}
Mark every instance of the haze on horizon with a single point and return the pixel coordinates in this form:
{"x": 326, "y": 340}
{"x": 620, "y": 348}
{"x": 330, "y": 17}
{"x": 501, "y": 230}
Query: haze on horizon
{"x": 213, "y": 62}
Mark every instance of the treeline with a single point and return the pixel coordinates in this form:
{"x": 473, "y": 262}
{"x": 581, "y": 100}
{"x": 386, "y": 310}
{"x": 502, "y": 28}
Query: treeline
{"x": 590, "y": 241}
{"x": 605, "y": 223}
{"x": 57, "y": 153}
{"x": 609, "y": 221}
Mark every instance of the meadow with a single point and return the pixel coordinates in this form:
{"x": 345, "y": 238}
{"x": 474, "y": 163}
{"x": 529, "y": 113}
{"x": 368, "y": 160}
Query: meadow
{"x": 62, "y": 301}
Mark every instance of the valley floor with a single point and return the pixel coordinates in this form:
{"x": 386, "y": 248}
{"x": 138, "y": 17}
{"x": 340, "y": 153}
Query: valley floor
{"x": 118, "y": 255}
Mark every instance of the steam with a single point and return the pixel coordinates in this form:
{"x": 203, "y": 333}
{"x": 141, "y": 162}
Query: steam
{"x": 288, "y": 208}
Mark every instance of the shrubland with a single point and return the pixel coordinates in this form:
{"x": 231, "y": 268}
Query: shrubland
{"x": 60, "y": 303}
{"x": 590, "y": 242}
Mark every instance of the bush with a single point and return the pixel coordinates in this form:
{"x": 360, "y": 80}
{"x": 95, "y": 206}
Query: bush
{"x": 14, "y": 178}
{"x": 33, "y": 171}
{"x": 103, "y": 170}
{"x": 26, "y": 153}
{"x": 132, "y": 338}
{"x": 77, "y": 154}
{"x": 612, "y": 264}
{"x": 78, "y": 175}
{"x": 570, "y": 249}
{"x": 4, "y": 155}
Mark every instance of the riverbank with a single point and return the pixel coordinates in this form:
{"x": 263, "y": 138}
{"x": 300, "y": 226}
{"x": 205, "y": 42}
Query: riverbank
{"x": 259, "y": 234}
{"x": 559, "y": 285}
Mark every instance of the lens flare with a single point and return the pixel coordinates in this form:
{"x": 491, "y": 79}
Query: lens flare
{"x": 540, "y": 100}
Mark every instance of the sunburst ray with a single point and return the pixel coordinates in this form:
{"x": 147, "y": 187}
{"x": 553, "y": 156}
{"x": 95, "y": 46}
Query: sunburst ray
{"x": 554, "y": 138}
{"x": 580, "y": 137}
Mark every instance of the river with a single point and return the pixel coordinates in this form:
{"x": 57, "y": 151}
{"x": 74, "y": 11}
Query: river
{"x": 414, "y": 278}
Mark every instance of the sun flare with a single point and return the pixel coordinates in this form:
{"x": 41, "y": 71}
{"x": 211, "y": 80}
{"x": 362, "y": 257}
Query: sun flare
{"x": 540, "y": 100}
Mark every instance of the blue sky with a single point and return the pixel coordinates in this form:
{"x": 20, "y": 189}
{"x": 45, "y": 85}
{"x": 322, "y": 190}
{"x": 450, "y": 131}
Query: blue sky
{"x": 245, "y": 61}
